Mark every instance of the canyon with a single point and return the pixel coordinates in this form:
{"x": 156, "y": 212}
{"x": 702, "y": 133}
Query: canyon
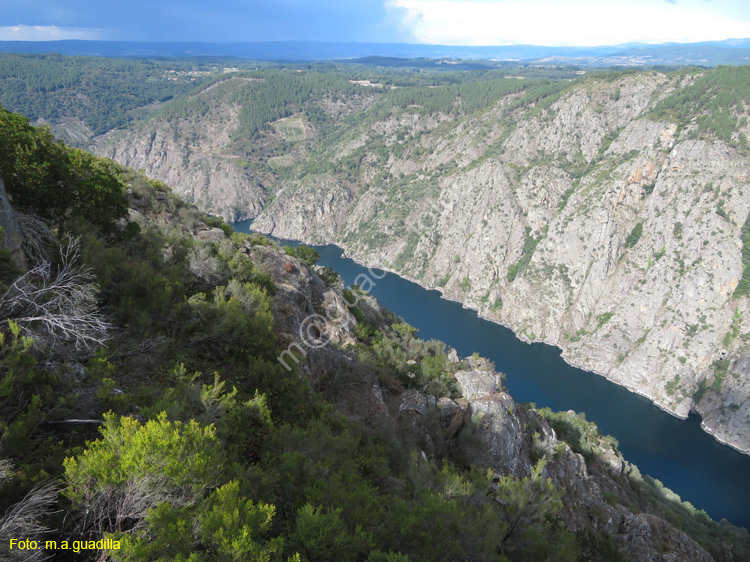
{"x": 599, "y": 215}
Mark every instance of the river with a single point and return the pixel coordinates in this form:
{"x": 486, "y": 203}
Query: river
{"x": 712, "y": 476}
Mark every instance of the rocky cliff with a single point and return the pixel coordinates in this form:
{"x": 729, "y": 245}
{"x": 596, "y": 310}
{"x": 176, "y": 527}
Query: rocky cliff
{"x": 190, "y": 154}
{"x": 603, "y": 216}
{"x": 482, "y": 427}
{"x": 589, "y": 225}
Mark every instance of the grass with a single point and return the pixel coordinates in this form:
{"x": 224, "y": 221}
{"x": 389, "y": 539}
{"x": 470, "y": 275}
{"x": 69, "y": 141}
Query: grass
{"x": 291, "y": 128}
{"x": 283, "y": 161}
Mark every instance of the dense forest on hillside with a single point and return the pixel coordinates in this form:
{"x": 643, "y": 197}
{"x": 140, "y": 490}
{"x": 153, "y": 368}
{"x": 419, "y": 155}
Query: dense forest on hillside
{"x": 141, "y": 400}
{"x": 104, "y": 92}
{"x": 98, "y": 91}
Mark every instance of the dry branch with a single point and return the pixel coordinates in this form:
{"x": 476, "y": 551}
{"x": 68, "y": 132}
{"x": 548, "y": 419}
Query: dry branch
{"x": 57, "y": 304}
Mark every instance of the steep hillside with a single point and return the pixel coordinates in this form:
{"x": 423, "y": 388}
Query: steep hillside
{"x": 223, "y": 146}
{"x": 604, "y": 215}
{"x": 81, "y": 97}
{"x": 606, "y": 218}
{"x": 144, "y": 404}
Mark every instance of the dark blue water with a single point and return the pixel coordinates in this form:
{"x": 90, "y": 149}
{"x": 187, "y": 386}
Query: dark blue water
{"x": 711, "y": 476}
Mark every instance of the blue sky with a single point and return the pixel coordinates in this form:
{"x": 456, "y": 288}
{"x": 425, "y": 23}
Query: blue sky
{"x": 452, "y": 22}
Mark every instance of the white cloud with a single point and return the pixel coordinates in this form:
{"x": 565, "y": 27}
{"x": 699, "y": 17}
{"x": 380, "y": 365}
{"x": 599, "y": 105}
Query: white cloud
{"x": 582, "y": 22}
{"x": 47, "y": 33}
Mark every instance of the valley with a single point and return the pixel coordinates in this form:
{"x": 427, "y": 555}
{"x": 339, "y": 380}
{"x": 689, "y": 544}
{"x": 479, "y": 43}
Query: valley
{"x": 601, "y": 215}
{"x": 144, "y": 396}
{"x": 601, "y": 212}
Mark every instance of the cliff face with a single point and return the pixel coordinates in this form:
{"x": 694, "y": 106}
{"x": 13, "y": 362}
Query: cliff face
{"x": 484, "y": 428}
{"x": 589, "y": 226}
{"x": 192, "y": 153}
{"x": 584, "y": 218}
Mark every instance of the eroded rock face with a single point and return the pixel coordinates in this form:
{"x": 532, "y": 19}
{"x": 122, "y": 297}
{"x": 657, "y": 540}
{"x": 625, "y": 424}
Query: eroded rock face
{"x": 309, "y": 316}
{"x": 193, "y": 156}
{"x": 507, "y": 433}
{"x": 11, "y": 238}
{"x": 636, "y": 254}
{"x": 501, "y": 434}
{"x": 478, "y": 384}
{"x": 491, "y": 429}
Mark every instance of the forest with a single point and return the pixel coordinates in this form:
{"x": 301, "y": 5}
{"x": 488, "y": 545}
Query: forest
{"x": 98, "y": 91}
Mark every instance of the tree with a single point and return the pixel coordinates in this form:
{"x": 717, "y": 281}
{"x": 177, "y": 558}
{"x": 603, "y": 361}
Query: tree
{"x": 60, "y": 184}
{"x": 634, "y": 235}
{"x": 305, "y": 254}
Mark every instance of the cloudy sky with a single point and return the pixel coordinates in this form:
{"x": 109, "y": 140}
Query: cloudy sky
{"x": 448, "y": 22}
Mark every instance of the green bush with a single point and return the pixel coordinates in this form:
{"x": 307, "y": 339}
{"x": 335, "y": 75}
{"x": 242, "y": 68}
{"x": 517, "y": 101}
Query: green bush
{"x": 60, "y": 184}
{"x": 743, "y": 287}
{"x": 186, "y": 456}
{"x": 634, "y": 235}
{"x": 305, "y": 254}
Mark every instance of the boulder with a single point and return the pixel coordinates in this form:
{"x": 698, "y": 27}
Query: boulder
{"x": 478, "y": 384}
{"x": 214, "y": 234}
{"x": 453, "y": 356}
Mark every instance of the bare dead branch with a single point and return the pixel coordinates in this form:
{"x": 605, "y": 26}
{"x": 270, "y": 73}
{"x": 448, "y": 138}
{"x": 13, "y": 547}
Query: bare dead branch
{"x": 24, "y": 520}
{"x": 38, "y": 239}
{"x": 124, "y": 508}
{"x": 134, "y": 349}
{"x": 74, "y": 421}
{"x": 58, "y": 305}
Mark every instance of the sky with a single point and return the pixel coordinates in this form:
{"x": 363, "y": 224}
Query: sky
{"x": 446, "y": 22}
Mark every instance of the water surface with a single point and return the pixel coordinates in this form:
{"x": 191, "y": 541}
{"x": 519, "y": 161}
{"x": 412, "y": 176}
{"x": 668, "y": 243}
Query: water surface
{"x": 711, "y": 476}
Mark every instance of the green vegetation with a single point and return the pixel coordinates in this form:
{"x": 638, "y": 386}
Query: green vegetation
{"x": 303, "y": 253}
{"x": 712, "y": 102}
{"x": 101, "y": 92}
{"x": 743, "y": 287}
{"x": 460, "y": 98}
{"x": 292, "y": 128}
{"x": 529, "y": 246}
{"x": 602, "y": 319}
{"x": 582, "y": 436}
{"x": 641, "y": 492}
{"x": 266, "y": 98}
{"x": 57, "y": 183}
{"x": 734, "y": 328}
{"x": 673, "y": 385}
{"x": 634, "y": 235}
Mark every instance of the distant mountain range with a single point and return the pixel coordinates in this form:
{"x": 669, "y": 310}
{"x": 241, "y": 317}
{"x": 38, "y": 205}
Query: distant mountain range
{"x": 732, "y": 51}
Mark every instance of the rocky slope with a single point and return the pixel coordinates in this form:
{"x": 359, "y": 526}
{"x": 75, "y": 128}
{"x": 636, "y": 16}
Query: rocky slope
{"x": 588, "y": 225}
{"x": 606, "y": 502}
{"x": 585, "y": 217}
{"x": 168, "y": 148}
{"x": 484, "y": 427}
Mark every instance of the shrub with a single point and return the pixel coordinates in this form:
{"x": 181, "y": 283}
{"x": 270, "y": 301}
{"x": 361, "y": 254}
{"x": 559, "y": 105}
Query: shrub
{"x": 634, "y": 235}
{"x": 305, "y": 254}
{"x": 60, "y": 184}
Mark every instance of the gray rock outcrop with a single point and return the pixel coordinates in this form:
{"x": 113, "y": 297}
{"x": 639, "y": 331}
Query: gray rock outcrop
{"x": 11, "y": 238}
